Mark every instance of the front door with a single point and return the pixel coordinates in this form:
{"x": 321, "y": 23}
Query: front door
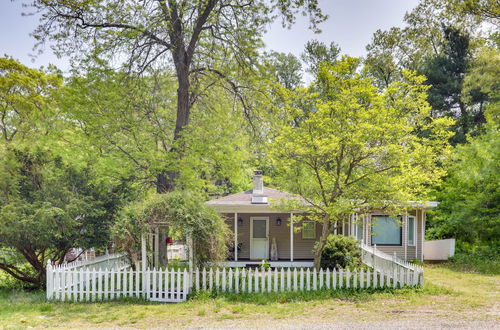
{"x": 259, "y": 241}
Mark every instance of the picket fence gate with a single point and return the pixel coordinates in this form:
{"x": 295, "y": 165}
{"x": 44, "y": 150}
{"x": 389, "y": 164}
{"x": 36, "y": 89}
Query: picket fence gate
{"x": 174, "y": 285}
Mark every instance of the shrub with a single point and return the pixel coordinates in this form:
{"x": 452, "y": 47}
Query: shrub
{"x": 340, "y": 252}
{"x": 481, "y": 259}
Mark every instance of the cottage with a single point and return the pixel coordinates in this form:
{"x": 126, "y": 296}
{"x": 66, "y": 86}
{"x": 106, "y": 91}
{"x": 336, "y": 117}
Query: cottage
{"x": 264, "y": 232}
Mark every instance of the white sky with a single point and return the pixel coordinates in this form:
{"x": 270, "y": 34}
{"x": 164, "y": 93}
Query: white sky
{"x": 351, "y": 25}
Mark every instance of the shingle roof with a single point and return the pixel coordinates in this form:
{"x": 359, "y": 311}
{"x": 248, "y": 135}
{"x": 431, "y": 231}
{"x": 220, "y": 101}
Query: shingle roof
{"x": 245, "y": 197}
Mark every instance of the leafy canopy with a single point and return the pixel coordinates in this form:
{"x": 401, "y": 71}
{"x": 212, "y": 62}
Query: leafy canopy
{"x": 48, "y": 207}
{"x": 359, "y": 147}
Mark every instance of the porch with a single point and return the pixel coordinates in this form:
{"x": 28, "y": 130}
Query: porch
{"x": 283, "y": 239}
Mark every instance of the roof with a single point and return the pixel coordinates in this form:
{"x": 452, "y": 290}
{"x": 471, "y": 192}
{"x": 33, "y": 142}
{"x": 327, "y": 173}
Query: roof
{"x": 242, "y": 201}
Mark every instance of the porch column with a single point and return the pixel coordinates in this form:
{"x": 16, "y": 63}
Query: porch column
{"x": 416, "y": 235}
{"x": 291, "y": 236}
{"x": 405, "y": 235}
{"x": 422, "y": 215}
{"x": 235, "y": 236}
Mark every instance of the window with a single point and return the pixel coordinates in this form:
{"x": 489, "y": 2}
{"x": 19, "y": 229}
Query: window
{"x": 308, "y": 230}
{"x": 411, "y": 230}
{"x": 386, "y": 230}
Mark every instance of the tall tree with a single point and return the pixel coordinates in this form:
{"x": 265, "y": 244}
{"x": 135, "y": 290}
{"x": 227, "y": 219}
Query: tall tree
{"x": 445, "y": 74}
{"x": 112, "y": 119}
{"x": 286, "y": 68}
{"x": 199, "y": 37}
{"x": 316, "y": 52}
{"x": 25, "y": 99}
{"x": 360, "y": 148}
{"x": 47, "y": 208}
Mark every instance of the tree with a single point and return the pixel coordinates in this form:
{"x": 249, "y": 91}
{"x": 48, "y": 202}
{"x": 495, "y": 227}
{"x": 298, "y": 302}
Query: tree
{"x": 360, "y": 148}
{"x": 470, "y": 196}
{"x": 485, "y": 9}
{"x": 438, "y": 42}
{"x": 316, "y": 52}
{"x": 445, "y": 75}
{"x": 286, "y": 68}
{"x": 48, "y": 207}
{"x": 199, "y": 37}
{"x": 112, "y": 119}
{"x": 25, "y": 98}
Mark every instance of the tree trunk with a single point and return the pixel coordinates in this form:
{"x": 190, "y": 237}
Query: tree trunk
{"x": 321, "y": 243}
{"x": 165, "y": 180}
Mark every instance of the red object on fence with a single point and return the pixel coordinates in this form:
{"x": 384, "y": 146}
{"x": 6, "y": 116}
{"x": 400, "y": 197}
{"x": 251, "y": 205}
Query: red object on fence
{"x": 169, "y": 240}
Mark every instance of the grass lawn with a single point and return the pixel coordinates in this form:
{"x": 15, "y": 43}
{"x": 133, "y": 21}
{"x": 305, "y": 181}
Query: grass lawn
{"x": 448, "y": 295}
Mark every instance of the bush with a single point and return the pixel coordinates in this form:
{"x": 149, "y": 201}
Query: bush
{"x": 481, "y": 259}
{"x": 340, "y": 252}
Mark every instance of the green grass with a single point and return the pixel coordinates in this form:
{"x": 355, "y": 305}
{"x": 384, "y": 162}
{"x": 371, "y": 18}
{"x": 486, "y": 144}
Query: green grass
{"x": 448, "y": 293}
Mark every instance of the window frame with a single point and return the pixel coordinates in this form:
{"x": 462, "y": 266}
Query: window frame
{"x": 397, "y": 218}
{"x": 314, "y": 229}
{"x": 414, "y": 230}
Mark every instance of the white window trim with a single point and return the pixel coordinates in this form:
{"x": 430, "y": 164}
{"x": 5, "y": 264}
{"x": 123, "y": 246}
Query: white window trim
{"x": 414, "y": 231}
{"x": 314, "y": 229}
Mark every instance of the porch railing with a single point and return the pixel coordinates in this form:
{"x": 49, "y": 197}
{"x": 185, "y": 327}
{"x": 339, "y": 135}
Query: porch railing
{"x": 383, "y": 262}
{"x": 114, "y": 260}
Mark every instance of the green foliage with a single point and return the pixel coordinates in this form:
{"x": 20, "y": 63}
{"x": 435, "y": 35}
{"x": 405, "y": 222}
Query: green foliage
{"x": 340, "y": 252}
{"x": 360, "y": 147}
{"x": 470, "y": 196}
{"x": 438, "y": 41}
{"x": 48, "y": 207}
{"x": 286, "y": 68}
{"x": 184, "y": 214}
{"x": 25, "y": 99}
{"x": 478, "y": 259}
{"x": 316, "y": 52}
{"x": 118, "y": 120}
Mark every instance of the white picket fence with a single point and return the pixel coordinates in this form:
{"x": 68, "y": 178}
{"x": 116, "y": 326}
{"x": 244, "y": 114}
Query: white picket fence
{"x": 299, "y": 279}
{"x": 91, "y": 284}
{"x": 112, "y": 278}
{"x": 174, "y": 285}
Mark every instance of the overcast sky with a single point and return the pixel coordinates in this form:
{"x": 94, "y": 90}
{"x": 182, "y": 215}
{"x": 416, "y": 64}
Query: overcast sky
{"x": 351, "y": 24}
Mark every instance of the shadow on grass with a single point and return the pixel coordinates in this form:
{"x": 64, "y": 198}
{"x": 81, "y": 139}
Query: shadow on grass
{"x": 15, "y": 300}
{"x": 351, "y": 295}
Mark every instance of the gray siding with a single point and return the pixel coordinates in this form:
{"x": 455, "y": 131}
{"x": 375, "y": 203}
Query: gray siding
{"x": 302, "y": 248}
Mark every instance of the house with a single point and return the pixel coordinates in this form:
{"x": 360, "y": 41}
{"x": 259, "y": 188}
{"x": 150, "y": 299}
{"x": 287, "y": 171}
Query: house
{"x": 256, "y": 225}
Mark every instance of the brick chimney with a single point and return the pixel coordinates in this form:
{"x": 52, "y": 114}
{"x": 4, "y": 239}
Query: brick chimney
{"x": 258, "y": 183}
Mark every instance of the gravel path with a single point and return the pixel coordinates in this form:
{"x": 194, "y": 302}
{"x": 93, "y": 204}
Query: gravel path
{"x": 386, "y": 325}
